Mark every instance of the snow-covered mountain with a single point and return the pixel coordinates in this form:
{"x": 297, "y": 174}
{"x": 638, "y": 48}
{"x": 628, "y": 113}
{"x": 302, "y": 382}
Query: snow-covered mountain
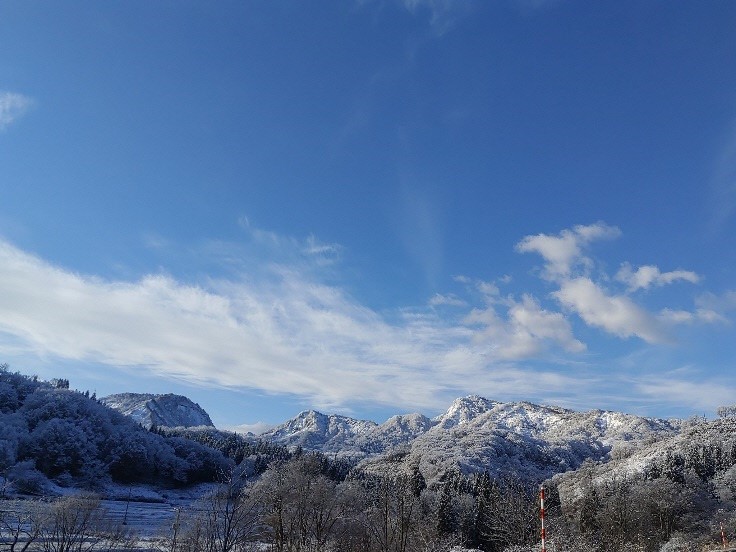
{"x": 474, "y": 434}
{"x": 529, "y": 440}
{"x": 477, "y": 434}
{"x": 159, "y": 410}
{"x": 347, "y": 436}
{"x": 313, "y": 430}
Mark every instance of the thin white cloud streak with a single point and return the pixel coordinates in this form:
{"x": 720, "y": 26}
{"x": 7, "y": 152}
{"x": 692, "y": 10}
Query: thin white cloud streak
{"x": 718, "y": 304}
{"x": 12, "y": 107}
{"x": 287, "y": 335}
{"x": 444, "y": 15}
{"x": 420, "y": 229}
{"x": 704, "y": 396}
{"x": 256, "y": 428}
{"x": 451, "y": 300}
{"x": 723, "y": 183}
{"x": 649, "y": 275}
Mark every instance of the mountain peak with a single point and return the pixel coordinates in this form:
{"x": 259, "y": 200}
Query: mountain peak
{"x": 464, "y": 409}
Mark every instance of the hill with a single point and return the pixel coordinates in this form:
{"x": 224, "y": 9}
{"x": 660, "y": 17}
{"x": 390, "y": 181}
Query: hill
{"x": 167, "y": 410}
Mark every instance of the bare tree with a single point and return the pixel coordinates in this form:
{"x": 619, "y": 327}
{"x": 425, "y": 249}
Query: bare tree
{"x": 726, "y": 411}
{"x": 226, "y": 520}
{"x": 230, "y": 516}
{"x": 20, "y": 524}
{"x": 71, "y": 524}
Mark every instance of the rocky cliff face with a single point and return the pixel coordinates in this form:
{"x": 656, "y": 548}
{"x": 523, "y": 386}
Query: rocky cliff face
{"x": 159, "y": 410}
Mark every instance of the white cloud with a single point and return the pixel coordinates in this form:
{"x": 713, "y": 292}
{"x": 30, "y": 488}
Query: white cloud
{"x": 649, "y": 275}
{"x": 707, "y": 316}
{"x": 450, "y": 300}
{"x": 672, "y": 388}
{"x": 285, "y": 334}
{"x": 488, "y": 289}
{"x": 525, "y": 333}
{"x": 717, "y": 303}
{"x": 676, "y": 316}
{"x": 616, "y": 314}
{"x": 12, "y": 107}
{"x": 273, "y": 326}
{"x": 567, "y": 266}
{"x": 543, "y": 324}
{"x": 318, "y": 249}
{"x": 564, "y": 251}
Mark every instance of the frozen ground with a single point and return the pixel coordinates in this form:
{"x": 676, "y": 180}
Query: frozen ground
{"x": 146, "y": 519}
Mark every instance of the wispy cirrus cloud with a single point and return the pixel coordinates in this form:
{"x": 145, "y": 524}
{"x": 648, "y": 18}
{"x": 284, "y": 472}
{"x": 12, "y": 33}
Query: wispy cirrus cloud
{"x": 526, "y": 330}
{"x": 723, "y": 183}
{"x": 12, "y": 107}
{"x": 444, "y": 15}
{"x": 686, "y": 389}
{"x": 287, "y": 333}
{"x": 452, "y": 300}
{"x": 277, "y": 327}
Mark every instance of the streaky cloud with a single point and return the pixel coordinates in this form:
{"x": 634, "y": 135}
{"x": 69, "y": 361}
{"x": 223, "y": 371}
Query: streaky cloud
{"x": 287, "y": 334}
{"x": 444, "y": 15}
{"x": 12, "y": 107}
{"x": 647, "y": 276}
{"x": 275, "y": 327}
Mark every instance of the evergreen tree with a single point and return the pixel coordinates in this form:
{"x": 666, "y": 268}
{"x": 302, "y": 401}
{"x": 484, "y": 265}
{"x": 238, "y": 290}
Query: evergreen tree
{"x": 446, "y": 522}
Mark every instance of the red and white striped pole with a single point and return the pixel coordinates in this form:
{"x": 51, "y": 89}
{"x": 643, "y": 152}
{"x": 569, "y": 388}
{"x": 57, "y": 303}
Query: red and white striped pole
{"x": 541, "y": 516}
{"x": 723, "y": 537}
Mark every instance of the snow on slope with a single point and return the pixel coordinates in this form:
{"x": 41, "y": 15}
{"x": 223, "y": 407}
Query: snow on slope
{"x": 347, "y": 436}
{"x": 474, "y": 434}
{"x": 526, "y": 439}
{"x": 159, "y": 410}
{"x": 693, "y": 435}
{"x": 477, "y": 434}
{"x": 313, "y": 430}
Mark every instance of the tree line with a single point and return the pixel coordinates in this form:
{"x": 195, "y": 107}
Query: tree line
{"x": 298, "y": 505}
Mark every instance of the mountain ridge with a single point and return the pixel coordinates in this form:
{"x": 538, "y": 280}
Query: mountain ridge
{"x": 474, "y": 434}
{"x": 478, "y": 434}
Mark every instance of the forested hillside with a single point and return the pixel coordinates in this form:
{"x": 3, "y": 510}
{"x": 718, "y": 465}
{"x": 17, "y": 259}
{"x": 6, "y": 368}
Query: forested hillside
{"x": 679, "y": 489}
{"x": 49, "y": 432}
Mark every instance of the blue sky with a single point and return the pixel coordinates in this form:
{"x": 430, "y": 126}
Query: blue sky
{"x": 371, "y": 206}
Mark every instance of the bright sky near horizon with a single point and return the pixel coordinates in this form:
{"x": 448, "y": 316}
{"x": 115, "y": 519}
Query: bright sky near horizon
{"x": 371, "y": 207}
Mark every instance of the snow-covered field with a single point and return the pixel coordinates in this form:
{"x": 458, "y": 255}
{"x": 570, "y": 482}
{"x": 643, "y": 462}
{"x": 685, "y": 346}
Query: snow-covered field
{"x": 141, "y": 518}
